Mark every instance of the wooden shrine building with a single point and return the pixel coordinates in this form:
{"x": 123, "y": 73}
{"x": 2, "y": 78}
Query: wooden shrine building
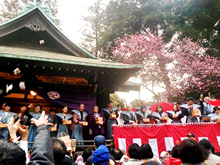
{"x": 58, "y": 70}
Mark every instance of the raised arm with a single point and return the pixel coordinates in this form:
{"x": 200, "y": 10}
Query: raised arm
{"x": 42, "y": 152}
{"x": 27, "y": 112}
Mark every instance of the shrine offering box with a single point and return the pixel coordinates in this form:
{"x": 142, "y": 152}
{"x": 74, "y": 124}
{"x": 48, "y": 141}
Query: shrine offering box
{"x": 113, "y": 116}
{"x": 196, "y": 113}
{"x": 84, "y": 123}
{"x": 147, "y": 120}
{"x": 99, "y": 120}
{"x": 68, "y": 122}
{"x": 52, "y": 129}
{"x": 164, "y": 118}
{"x": 3, "y": 125}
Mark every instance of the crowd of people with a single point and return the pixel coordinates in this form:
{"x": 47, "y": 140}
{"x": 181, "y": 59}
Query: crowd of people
{"x": 42, "y": 132}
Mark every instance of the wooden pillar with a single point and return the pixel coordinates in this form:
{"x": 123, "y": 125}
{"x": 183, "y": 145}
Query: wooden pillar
{"x": 103, "y": 99}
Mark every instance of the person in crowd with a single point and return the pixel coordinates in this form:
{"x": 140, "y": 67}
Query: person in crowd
{"x": 174, "y": 152}
{"x": 52, "y": 122}
{"x": 6, "y": 117}
{"x": 101, "y": 156}
{"x": 79, "y": 120}
{"x": 164, "y": 155}
{"x": 59, "y": 152}
{"x": 110, "y": 114}
{"x": 208, "y": 147}
{"x": 129, "y": 116}
{"x": 98, "y": 141}
{"x": 190, "y": 152}
{"x": 175, "y": 115}
{"x": 134, "y": 151}
{"x": 143, "y": 116}
{"x": 9, "y": 150}
{"x": 147, "y": 154}
{"x": 120, "y": 120}
{"x": 214, "y": 116}
{"x": 96, "y": 122}
{"x": 191, "y": 136}
{"x": 86, "y": 154}
{"x": 24, "y": 115}
{"x": 42, "y": 151}
{"x": 11, "y": 153}
{"x": 187, "y": 108}
{"x": 159, "y": 116}
{"x": 117, "y": 154}
{"x": 124, "y": 159}
{"x": 206, "y": 108}
{"x": 79, "y": 160}
{"x": 174, "y": 158}
{"x": 64, "y": 120}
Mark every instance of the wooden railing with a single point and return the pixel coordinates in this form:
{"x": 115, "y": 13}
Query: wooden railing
{"x": 81, "y": 145}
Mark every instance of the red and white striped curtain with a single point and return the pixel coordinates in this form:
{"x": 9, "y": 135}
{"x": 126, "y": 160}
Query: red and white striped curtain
{"x": 164, "y": 136}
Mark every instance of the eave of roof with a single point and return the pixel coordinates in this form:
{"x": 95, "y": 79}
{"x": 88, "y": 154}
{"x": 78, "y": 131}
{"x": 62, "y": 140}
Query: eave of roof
{"x": 48, "y": 19}
{"x": 45, "y": 56}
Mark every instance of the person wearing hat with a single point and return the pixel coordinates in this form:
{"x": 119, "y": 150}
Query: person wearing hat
{"x": 52, "y": 122}
{"x": 6, "y": 117}
{"x": 191, "y": 136}
{"x": 101, "y": 156}
{"x": 97, "y": 158}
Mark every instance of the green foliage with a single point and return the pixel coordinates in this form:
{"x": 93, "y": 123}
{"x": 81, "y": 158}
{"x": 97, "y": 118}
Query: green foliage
{"x": 92, "y": 29}
{"x": 197, "y": 19}
{"x": 9, "y": 9}
{"x": 136, "y": 103}
{"x": 117, "y": 100}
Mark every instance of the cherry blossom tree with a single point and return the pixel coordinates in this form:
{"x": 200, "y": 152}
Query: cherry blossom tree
{"x": 179, "y": 66}
{"x": 194, "y": 70}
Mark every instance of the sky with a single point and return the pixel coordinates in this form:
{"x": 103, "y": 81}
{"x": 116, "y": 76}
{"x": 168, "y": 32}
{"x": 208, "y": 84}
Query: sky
{"x": 70, "y": 14}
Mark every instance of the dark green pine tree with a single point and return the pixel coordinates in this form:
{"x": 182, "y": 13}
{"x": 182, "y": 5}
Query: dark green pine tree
{"x": 94, "y": 25}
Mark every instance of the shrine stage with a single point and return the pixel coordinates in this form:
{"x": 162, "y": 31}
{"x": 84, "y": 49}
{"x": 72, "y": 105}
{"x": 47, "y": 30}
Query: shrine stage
{"x": 162, "y": 137}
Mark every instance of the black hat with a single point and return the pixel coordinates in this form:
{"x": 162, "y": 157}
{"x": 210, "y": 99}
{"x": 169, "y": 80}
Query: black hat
{"x": 191, "y": 135}
{"x": 99, "y": 140}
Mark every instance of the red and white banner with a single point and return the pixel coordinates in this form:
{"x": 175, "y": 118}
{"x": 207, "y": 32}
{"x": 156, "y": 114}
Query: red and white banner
{"x": 163, "y": 137}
